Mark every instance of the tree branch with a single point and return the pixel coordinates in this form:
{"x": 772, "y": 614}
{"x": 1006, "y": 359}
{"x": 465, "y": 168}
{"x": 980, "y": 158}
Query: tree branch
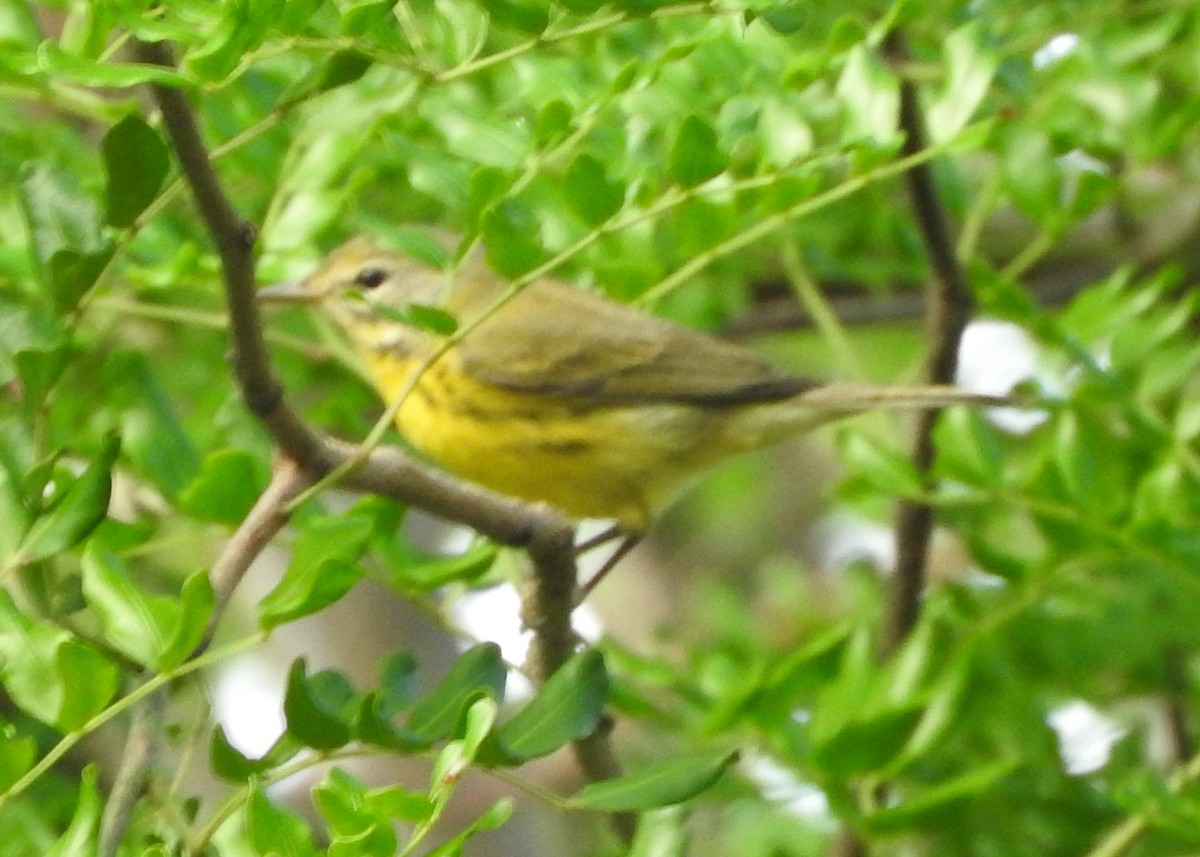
{"x": 141, "y": 745}
{"x": 547, "y": 536}
{"x": 950, "y": 306}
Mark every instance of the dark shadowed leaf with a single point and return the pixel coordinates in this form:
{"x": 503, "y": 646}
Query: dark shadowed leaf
{"x": 136, "y": 163}
{"x": 661, "y": 784}
{"x": 318, "y": 708}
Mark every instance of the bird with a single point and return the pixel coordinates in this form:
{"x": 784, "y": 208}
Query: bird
{"x": 553, "y": 394}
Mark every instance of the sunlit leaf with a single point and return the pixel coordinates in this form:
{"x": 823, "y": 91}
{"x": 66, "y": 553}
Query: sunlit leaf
{"x": 566, "y": 708}
{"x": 81, "y": 509}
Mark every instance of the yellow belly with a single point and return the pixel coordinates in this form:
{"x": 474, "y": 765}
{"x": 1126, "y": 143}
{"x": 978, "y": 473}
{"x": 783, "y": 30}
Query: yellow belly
{"x": 587, "y": 461}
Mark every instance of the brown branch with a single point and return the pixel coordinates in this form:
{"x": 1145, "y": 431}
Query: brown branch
{"x": 265, "y": 519}
{"x": 950, "y": 307}
{"x": 546, "y": 535}
{"x": 136, "y": 759}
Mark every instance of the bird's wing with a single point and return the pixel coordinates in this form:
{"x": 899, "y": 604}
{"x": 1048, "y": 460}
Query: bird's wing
{"x": 555, "y": 340}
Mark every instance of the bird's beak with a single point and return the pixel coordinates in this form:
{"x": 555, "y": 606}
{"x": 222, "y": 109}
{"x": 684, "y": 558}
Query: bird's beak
{"x": 292, "y": 292}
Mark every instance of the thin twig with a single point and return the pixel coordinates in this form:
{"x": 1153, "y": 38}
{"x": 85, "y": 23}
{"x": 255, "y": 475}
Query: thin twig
{"x": 136, "y": 759}
{"x": 265, "y": 519}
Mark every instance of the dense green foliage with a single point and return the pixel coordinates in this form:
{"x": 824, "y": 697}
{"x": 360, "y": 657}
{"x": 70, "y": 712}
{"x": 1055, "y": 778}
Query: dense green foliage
{"x": 677, "y": 154}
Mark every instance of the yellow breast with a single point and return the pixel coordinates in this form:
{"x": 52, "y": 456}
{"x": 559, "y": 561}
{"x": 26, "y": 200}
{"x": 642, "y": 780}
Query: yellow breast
{"x": 587, "y": 461}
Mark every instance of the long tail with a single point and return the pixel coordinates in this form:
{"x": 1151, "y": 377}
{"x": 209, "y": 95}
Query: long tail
{"x": 852, "y": 398}
{"x": 820, "y": 405}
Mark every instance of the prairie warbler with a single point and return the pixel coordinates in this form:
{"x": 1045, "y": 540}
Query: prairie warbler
{"x": 566, "y": 397}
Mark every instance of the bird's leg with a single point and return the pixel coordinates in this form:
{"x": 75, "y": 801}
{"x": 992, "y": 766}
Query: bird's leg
{"x": 628, "y": 541}
{"x": 601, "y": 538}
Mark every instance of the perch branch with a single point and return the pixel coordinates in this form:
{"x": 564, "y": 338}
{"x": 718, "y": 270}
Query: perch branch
{"x": 547, "y": 536}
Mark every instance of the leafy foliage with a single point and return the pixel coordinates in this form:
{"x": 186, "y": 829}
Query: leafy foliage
{"x": 692, "y": 156}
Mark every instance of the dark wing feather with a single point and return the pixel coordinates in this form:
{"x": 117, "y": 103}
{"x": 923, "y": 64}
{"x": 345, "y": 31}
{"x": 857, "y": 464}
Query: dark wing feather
{"x": 555, "y": 340}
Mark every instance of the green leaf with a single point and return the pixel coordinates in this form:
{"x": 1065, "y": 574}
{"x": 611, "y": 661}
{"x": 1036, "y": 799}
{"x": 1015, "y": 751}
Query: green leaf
{"x": 500, "y": 812}
{"x": 582, "y": 6}
{"x": 695, "y": 157}
{"x": 134, "y": 623}
{"x": 231, "y": 764}
{"x": 136, "y": 163}
{"x": 323, "y": 568}
{"x": 552, "y": 123}
{"x": 373, "y": 725}
{"x": 883, "y": 468}
{"x": 567, "y": 707}
{"x": 79, "y": 840}
{"x": 154, "y": 438}
{"x": 479, "y": 671}
{"x": 397, "y": 690}
{"x": 867, "y": 745}
{"x": 191, "y": 616}
{"x": 318, "y": 709}
{"x": 793, "y": 676}
{"x": 242, "y": 27}
{"x": 401, "y": 804}
{"x": 273, "y": 830}
{"x": 17, "y": 754}
{"x": 589, "y": 191}
{"x": 931, "y": 808}
{"x": 512, "y": 234}
{"x": 65, "y": 227}
{"x": 363, "y": 16}
{"x": 50, "y": 675}
{"x": 786, "y": 18}
{"x": 15, "y": 516}
{"x": 968, "y": 448}
{"x": 226, "y": 761}
{"x": 477, "y": 725}
{"x": 485, "y": 187}
{"x": 970, "y": 67}
{"x": 225, "y": 489}
{"x": 529, "y": 18}
{"x": 82, "y": 508}
{"x": 431, "y": 318}
{"x": 870, "y": 96}
{"x": 397, "y": 682}
{"x": 340, "y": 69}
{"x": 341, "y": 799}
{"x": 106, "y": 75}
{"x": 663, "y": 784}
{"x": 410, "y": 571}
{"x": 33, "y": 348}
{"x": 89, "y": 681}
{"x": 1093, "y": 476}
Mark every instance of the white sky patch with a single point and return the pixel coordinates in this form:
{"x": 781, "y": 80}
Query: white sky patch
{"x": 248, "y": 703}
{"x": 993, "y": 357}
{"x": 495, "y": 614}
{"x": 843, "y": 539}
{"x": 1058, "y": 47}
{"x": 1086, "y": 736}
{"x": 779, "y": 785}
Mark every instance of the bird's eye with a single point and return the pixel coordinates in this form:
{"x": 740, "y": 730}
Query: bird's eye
{"x": 369, "y": 278}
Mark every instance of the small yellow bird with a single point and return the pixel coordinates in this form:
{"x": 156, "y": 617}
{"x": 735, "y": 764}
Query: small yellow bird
{"x": 566, "y": 397}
